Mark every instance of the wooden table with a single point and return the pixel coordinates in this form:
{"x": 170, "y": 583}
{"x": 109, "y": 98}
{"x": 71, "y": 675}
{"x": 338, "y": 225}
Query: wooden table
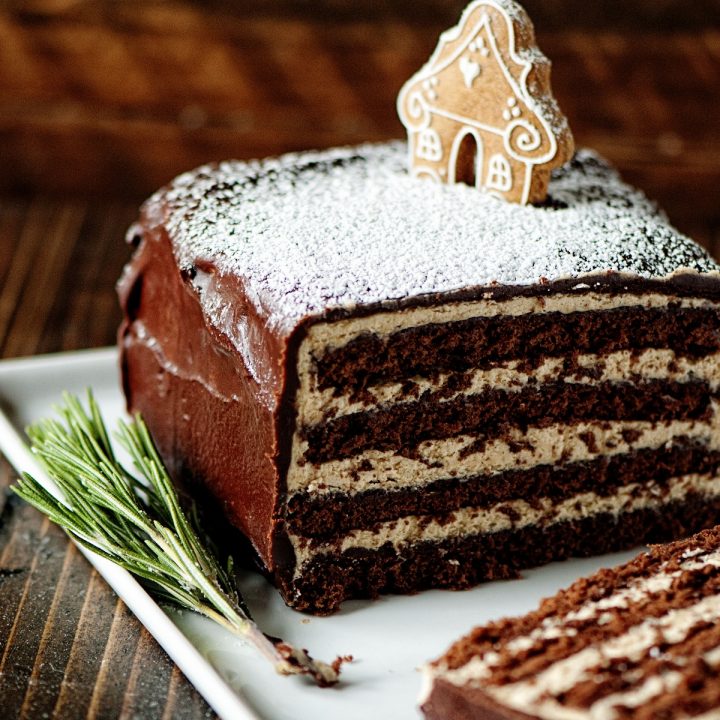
{"x": 102, "y": 102}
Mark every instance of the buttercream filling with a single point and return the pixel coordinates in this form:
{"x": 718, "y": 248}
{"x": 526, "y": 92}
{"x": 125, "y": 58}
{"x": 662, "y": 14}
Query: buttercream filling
{"x": 460, "y": 457}
{"x": 510, "y": 515}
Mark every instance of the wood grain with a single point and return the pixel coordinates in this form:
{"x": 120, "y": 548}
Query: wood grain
{"x": 102, "y": 102}
{"x": 68, "y": 647}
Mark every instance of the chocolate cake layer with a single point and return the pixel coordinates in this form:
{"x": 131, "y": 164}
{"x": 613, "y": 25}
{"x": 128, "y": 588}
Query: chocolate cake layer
{"x": 402, "y": 427}
{"x": 639, "y": 641}
{"x": 330, "y": 515}
{"x": 463, "y": 562}
{"x": 634, "y": 586}
{"x": 485, "y": 341}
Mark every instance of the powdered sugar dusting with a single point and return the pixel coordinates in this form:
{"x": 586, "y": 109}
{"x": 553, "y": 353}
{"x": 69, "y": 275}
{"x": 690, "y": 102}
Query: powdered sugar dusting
{"x": 319, "y": 230}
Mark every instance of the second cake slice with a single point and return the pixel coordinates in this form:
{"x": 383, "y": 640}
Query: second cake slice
{"x": 639, "y": 641}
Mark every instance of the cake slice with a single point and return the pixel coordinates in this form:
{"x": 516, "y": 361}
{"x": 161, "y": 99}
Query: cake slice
{"x": 391, "y": 385}
{"x": 640, "y": 641}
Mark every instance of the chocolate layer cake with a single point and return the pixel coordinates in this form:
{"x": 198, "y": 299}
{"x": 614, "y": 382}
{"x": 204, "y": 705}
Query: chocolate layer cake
{"x": 641, "y": 641}
{"x": 391, "y": 385}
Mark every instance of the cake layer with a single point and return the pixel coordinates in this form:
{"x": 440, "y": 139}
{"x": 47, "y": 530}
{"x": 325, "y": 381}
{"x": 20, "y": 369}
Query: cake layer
{"x": 591, "y": 293}
{"x": 485, "y": 341}
{"x": 489, "y": 414}
{"x": 435, "y": 461}
{"x": 461, "y": 562}
{"x": 692, "y": 692}
{"x": 466, "y": 456}
{"x": 565, "y": 650}
{"x": 640, "y": 641}
{"x": 330, "y": 515}
{"x": 635, "y": 595}
{"x": 404, "y": 532}
{"x": 317, "y": 406}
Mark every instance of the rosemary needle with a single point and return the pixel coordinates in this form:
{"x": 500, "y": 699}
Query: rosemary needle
{"x": 138, "y": 523}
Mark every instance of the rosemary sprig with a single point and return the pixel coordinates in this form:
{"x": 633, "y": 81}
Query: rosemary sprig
{"x": 137, "y": 522}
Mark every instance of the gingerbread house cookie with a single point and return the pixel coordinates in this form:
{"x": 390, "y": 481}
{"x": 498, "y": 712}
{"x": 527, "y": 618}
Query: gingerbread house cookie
{"x": 481, "y": 111}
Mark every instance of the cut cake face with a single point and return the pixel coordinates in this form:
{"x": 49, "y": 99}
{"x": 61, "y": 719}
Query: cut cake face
{"x": 390, "y": 385}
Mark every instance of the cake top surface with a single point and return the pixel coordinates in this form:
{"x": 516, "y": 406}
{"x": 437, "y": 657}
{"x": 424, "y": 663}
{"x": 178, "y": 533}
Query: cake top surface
{"x": 315, "y": 231}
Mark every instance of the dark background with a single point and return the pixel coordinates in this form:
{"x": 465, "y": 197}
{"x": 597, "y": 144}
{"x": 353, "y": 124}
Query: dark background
{"x": 102, "y": 102}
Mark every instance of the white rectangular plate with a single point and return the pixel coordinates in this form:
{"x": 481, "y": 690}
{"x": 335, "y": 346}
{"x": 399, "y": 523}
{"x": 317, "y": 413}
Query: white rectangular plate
{"x": 389, "y": 638}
